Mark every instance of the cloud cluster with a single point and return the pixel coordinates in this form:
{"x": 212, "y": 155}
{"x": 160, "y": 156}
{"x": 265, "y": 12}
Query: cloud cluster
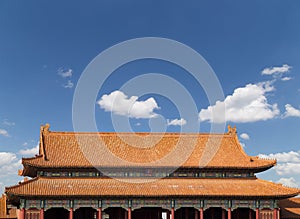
{"x": 1, "y": 187}
{"x": 291, "y": 156}
{"x": 246, "y": 104}
{"x": 69, "y": 84}
{"x": 8, "y": 123}
{"x": 288, "y": 163}
{"x": 30, "y": 151}
{"x": 290, "y": 111}
{"x": 276, "y": 70}
{"x": 9, "y": 164}
{"x": 3, "y": 132}
{"x": 288, "y": 166}
{"x": 245, "y": 136}
{"x": 291, "y": 182}
{"x": 6, "y": 158}
{"x": 120, "y": 104}
{"x": 250, "y": 103}
{"x": 176, "y": 122}
{"x": 286, "y": 78}
{"x": 66, "y": 73}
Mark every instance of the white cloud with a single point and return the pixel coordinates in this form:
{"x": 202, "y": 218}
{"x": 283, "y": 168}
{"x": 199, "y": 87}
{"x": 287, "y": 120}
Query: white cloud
{"x": 1, "y": 187}
{"x": 6, "y": 158}
{"x": 176, "y": 122}
{"x": 287, "y": 169}
{"x": 69, "y": 84}
{"x": 288, "y": 163}
{"x": 119, "y": 103}
{"x": 291, "y": 156}
{"x": 8, "y": 123}
{"x": 65, "y": 73}
{"x": 243, "y": 145}
{"x": 277, "y": 69}
{"x": 245, "y": 136}
{"x": 9, "y": 164}
{"x": 290, "y": 182}
{"x": 4, "y": 132}
{"x": 246, "y": 104}
{"x": 286, "y": 78}
{"x": 30, "y": 151}
{"x": 290, "y": 111}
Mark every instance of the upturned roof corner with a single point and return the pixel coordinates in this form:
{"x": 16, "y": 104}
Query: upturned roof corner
{"x": 232, "y": 130}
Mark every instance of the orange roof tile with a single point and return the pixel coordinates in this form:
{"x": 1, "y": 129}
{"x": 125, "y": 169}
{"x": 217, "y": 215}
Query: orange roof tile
{"x": 42, "y": 186}
{"x": 290, "y": 208}
{"x": 68, "y": 149}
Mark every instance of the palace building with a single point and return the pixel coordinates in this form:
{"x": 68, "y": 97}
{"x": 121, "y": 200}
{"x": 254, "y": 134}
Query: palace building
{"x": 145, "y": 176}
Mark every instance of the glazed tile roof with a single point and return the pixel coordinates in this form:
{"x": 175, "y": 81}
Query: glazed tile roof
{"x": 289, "y": 208}
{"x": 68, "y": 149}
{"x": 42, "y": 186}
{"x": 5, "y": 211}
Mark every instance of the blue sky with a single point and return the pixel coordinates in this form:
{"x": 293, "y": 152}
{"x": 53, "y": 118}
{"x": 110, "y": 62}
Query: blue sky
{"x": 253, "y": 48}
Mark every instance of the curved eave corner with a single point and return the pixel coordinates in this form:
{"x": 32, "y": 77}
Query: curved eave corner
{"x": 9, "y": 191}
{"x": 270, "y": 162}
{"x": 262, "y": 164}
{"x": 28, "y": 168}
{"x": 29, "y": 163}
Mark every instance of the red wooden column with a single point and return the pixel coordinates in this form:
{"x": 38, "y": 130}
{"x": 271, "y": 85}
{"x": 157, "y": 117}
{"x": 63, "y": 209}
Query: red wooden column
{"x": 42, "y": 213}
{"x": 172, "y": 213}
{"x": 257, "y": 213}
{"x": 275, "y": 213}
{"x": 99, "y": 211}
{"x": 229, "y": 213}
{"x": 71, "y": 213}
{"x": 22, "y": 213}
{"x": 129, "y": 213}
{"x": 223, "y": 214}
{"x": 201, "y": 213}
{"x": 196, "y": 214}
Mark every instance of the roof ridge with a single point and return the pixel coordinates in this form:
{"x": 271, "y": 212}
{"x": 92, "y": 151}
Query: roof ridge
{"x": 62, "y": 149}
{"x": 140, "y": 133}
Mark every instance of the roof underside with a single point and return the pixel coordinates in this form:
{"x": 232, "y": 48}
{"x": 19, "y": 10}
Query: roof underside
{"x": 290, "y": 208}
{"x": 57, "y": 187}
{"x": 71, "y": 150}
